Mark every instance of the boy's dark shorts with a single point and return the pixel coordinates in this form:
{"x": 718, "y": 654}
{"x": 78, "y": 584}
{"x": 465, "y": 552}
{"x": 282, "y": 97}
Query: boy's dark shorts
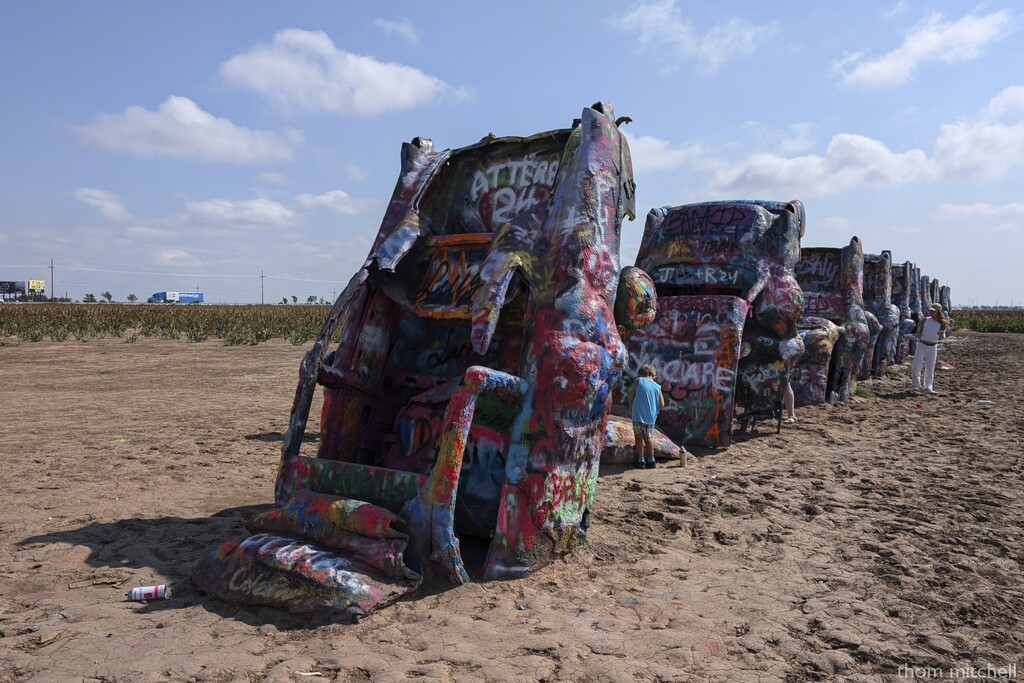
{"x": 640, "y": 429}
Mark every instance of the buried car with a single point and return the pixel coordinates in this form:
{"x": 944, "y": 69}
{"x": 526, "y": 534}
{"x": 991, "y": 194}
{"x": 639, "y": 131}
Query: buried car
{"x": 728, "y": 305}
{"x": 901, "y": 274}
{"x": 878, "y": 301}
{"x": 832, "y": 280}
{"x": 468, "y": 395}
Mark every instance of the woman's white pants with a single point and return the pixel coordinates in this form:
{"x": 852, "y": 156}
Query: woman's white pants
{"x": 924, "y": 359}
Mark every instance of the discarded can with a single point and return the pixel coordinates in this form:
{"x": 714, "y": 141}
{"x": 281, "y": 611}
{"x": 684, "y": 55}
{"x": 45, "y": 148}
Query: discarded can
{"x": 143, "y": 593}
{"x": 682, "y": 457}
{"x": 983, "y": 402}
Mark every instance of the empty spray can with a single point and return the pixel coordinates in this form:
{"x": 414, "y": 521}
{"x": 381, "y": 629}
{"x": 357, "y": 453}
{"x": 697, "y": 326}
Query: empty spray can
{"x": 143, "y": 593}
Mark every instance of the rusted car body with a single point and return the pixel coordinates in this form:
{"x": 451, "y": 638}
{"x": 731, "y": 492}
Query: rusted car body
{"x": 832, "y": 280}
{"x": 901, "y": 275}
{"x": 728, "y": 305}
{"x": 468, "y": 393}
{"x": 946, "y": 299}
{"x": 874, "y": 331}
{"x": 878, "y": 301}
{"x": 926, "y": 294}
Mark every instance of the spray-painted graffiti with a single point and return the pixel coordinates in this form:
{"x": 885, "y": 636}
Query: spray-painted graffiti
{"x": 724, "y": 275}
{"x": 842, "y": 303}
{"x": 824, "y": 304}
{"x": 694, "y": 346}
{"x": 878, "y": 301}
{"x": 810, "y": 377}
{"x": 818, "y": 271}
{"x": 901, "y": 274}
{"x": 708, "y": 275}
{"x": 505, "y": 189}
{"x": 494, "y": 358}
{"x": 450, "y": 275}
{"x": 917, "y": 306}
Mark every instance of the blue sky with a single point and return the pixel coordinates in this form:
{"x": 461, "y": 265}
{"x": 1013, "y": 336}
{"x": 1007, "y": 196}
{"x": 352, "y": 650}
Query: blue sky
{"x": 164, "y": 146}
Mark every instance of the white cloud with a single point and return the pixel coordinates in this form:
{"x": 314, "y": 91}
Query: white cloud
{"x": 403, "y": 28}
{"x": 836, "y": 224}
{"x": 175, "y": 258}
{"x": 661, "y": 26}
{"x": 304, "y": 70}
{"x": 899, "y": 9}
{"x": 798, "y": 138}
{"x": 933, "y": 40}
{"x": 248, "y": 213}
{"x": 181, "y": 129}
{"x": 973, "y": 151}
{"x": 272, "y": 178}
{"x": 979, "y": 151}
{"x": 849, "y": 161}
{"x": 1009, "y": 101}
{"x": 142, "y": 232}
{"x": 1007, "y": 228}
{"x": 654, "y": 154}
{"x": 356, "y": 173}
{"x": 956, "y": 212}
{"x": 335, "y": 200}
{"x": 793, "y": 139}
{"x": 108, "y": 203}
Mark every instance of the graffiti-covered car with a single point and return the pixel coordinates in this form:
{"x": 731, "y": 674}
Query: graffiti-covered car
{"x": 832, "y": 280}
{"x": 728, "y": 305}
{"x": 901, "y": 275}
{"x": 878, "y": 302}
{"x": 469, "y": 391}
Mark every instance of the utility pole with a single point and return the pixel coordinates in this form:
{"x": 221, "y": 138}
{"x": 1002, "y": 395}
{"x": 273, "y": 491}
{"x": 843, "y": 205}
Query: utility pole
{"x": 261, "y": 286}
{"x": 53, "y": 285}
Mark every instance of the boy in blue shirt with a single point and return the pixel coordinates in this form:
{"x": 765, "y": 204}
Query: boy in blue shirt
{"x": 645, "y": 402}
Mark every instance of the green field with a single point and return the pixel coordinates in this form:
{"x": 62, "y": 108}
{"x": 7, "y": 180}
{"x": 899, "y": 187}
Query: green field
{"x": 989, "y": 321}
{"x": 299, "y": 324}
{"x": 251, "y": 324}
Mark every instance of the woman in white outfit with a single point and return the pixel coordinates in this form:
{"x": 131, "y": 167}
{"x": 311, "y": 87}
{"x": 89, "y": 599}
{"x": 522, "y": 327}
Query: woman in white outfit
{"x": 929, "y": 332}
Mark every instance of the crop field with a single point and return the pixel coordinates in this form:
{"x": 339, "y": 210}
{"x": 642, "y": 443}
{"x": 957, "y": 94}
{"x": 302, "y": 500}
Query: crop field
{"x": 989, "y": 321}
{"x": 252, "y": 324}
{"x": 236, "y": 325}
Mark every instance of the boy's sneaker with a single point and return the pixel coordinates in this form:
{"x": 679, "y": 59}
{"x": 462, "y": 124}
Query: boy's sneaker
{"x": 650, "y": 464}
{"x": 639, "y": 464}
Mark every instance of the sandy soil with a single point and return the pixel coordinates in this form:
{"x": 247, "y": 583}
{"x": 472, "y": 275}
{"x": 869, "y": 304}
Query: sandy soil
{"x": 879, "y": 534}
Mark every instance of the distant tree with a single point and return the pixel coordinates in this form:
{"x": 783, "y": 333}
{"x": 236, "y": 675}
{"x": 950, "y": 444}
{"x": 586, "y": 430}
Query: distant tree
{"x": 295, "y": 299}
{"x": 311, "y": 299}
{"x": 107, "y": 296}
{"x": 132, "y": 298}
{"x": 89, "y": 298}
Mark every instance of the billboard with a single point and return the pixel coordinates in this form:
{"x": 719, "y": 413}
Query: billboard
{"x": 9, "y": 287}
{"x": 37, "y": 285}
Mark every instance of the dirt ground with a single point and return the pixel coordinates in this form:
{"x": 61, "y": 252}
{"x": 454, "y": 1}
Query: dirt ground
{"x": 867, "y": 538}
